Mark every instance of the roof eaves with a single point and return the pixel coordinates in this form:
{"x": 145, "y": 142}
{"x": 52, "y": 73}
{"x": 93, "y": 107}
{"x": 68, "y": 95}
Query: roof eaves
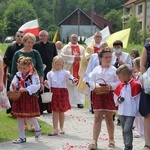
{"x": 73, "y": 13}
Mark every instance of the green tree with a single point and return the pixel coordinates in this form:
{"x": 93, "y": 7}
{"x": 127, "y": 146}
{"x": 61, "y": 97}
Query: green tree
{"x": 3, "y": 6}
{"x": 15, "y": 16}
{"x": 114, "y": 16}
{"x": 44, "y": 12}
{"x": 59, "y": 10}
{"x": 135, "y": 36}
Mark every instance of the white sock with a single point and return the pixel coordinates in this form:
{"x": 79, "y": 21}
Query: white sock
{"x": 35, "y": 123}
{"x": 21, "y": 127}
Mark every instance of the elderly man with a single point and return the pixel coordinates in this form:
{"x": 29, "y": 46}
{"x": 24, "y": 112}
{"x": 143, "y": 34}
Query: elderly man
{"x": 11, "y": 49}
{"x": 59, "y": 46}
{"x": 72, "y": 54}
{"x": 92, "y": 48}
{"x": 48, "y": 51}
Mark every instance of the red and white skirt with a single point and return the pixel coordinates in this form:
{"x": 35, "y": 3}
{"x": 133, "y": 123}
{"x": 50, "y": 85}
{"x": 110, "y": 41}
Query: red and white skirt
{"x": 103, "y": 102}
{"x": 26, "y": 107}
{"x": 60, "y": 100}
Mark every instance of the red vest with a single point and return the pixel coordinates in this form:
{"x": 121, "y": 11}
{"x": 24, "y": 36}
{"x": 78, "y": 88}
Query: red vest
{"x": 135, "y": 88}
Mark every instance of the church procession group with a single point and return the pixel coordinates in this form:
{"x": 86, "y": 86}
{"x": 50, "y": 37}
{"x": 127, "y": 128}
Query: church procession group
{"x": 109, "y": 78}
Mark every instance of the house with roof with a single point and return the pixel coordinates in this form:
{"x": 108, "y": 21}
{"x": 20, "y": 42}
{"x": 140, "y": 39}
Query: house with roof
{"x": 141, "y": 9}
{"x": 82, "y": 24}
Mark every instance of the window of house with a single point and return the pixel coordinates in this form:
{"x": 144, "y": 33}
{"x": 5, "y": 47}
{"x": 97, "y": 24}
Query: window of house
{"x": 140, "y": 24}
{"x": 127, "y": 10}
{"x": 140, "y": 9}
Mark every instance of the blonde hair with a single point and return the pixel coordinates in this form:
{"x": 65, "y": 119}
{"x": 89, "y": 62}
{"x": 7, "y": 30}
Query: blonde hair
{"x": 124, "y": 69}
{"x": 22, "y": 60}
{"x": 27, "y": 36}
{"x": 55, "y": 59}
{"x": 136, "y": 62}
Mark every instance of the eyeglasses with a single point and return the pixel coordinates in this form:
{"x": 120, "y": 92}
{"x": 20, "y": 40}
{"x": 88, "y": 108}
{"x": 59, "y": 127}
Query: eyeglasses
{"x": 98, "y": 36}
{"x": 42, "y": 35}
{"x": 107, "y": 57}
{"x": 20, "y": 36}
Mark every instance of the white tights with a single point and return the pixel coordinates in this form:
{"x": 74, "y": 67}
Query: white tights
{"x": 21, "y": 129}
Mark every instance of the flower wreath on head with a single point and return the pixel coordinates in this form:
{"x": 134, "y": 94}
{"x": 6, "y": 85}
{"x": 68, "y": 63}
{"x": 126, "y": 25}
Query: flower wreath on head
{"x": 105, "y": 49}
{"x": 24, "y": 60}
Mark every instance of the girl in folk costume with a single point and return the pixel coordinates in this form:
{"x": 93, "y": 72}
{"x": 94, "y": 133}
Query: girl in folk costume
{"x": 139, "y": 121}
{"x": 4, "y": 102}
{"x": 27, "y": 82}
{"x": 56, "y": 81}
{"x": 103, "y": 104}
{"x": 126, "y": 97}
{"x": 93, "y": 62}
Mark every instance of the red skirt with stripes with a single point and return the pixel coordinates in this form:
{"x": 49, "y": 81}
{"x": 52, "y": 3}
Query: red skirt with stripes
{"x": 103, "y": 102}
{"x": 26, "y": 107}
{"x": 60, "y": 100}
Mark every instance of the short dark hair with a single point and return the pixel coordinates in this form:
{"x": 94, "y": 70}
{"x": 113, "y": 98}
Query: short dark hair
{"x": 136, "y": 52}
{"x": 124, "y": 69}
{"x": 19, "y": 32}
{"x": 118, "y": 42}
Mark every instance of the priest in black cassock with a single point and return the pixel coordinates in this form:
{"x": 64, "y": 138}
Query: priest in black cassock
{"x": 48, "y": 51}
{"x": 9, "y": 53}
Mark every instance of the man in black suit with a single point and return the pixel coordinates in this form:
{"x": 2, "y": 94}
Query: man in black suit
{"x": 48, "y": 51}
{"x": 11, "y": 49}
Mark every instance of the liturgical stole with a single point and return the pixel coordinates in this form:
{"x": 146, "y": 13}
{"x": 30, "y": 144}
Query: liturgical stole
{"x": 76, "y": 64}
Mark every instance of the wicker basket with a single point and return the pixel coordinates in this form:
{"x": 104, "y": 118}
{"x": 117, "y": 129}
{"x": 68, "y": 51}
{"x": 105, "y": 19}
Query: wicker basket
{"x": 14, "y": 95}
{"x": 103, "y": 89}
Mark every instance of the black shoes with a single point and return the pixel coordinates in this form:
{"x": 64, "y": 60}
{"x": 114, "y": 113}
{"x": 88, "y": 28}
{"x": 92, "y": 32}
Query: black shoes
{"x": 91, "y": 111}
{"x": 128, "y": 148}
{"x": 118, "y": 122}
{"x": 80, "y": 106}
{"x": 49, "y": 111}
{"x": 20, "y": 140}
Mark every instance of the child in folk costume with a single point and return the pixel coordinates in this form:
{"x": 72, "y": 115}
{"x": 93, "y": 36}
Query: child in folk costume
{"x": 139, "y": 121}
{"x": 4, "y": 102}
{"x": 126, "y": 97}
{"x": 103, "y": 104}
{"x": 27, "y": 82}
{"x": 56, "y": 81}
{"x": 93, "y": 62}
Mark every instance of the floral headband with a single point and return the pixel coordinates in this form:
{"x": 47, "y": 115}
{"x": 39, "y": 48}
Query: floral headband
{"x": 24, "y": 60}
{"x": 105, "y": 49}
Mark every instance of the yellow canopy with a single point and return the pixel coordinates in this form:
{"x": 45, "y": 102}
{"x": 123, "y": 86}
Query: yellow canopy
{"x": 122, "y": 35}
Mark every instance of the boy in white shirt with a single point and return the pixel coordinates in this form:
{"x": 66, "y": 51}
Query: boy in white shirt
{"x": 126, "y": 97}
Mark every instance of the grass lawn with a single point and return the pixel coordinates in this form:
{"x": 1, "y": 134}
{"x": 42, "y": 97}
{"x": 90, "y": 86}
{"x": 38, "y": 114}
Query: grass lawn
{"x": 9, "y": 128}
{"x": 3, "y": 47}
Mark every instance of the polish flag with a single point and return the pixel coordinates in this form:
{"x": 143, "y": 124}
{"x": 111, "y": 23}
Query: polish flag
{"x": 30, "y": 27}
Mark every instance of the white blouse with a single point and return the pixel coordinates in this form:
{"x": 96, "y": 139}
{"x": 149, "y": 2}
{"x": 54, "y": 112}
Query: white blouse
{"x": 108, "y": 74}
{"x": 93, "y": 62}
{"x": 125, "y": 57}
{"x": 58, "y": 79}
{"x": 130, "y": 106}
{"x": 33, "y": 88}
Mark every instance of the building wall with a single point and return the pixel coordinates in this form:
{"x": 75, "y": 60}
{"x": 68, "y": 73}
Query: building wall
{"x": 82, "y": 30}
{"x": 143, "y": 17}
{"x": 148, "y": 14}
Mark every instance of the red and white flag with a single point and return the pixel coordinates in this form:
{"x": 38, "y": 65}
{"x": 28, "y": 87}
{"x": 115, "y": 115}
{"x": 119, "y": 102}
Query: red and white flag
{"x": 30, "y": 27}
